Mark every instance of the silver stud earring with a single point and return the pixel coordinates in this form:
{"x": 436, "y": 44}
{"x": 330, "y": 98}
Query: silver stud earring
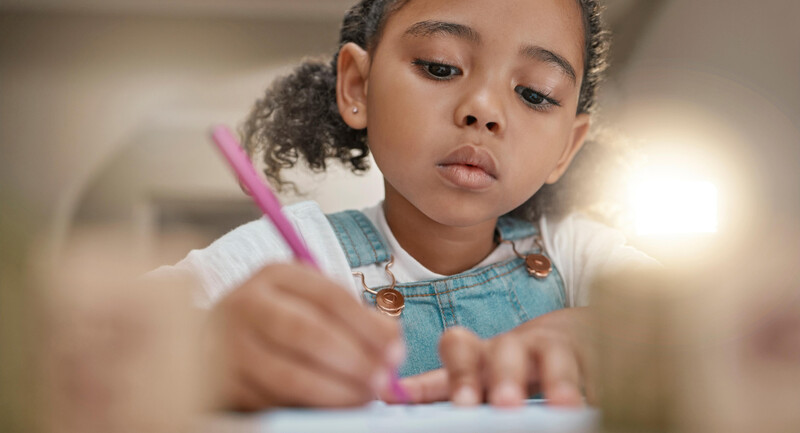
{"x": 355, "y": 110}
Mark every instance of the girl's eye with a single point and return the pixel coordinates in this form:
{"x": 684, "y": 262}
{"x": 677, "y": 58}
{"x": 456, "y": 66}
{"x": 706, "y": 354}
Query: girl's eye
{"x": 438, "y": 71}
{"x": 534, "y": 98}
{"x": 441, "y": 71}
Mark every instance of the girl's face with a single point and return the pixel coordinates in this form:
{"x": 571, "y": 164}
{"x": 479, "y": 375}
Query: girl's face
{"x": 470, "y": 104}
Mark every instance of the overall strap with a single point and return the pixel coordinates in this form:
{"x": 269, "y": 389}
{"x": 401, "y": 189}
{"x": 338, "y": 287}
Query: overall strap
{"x": 511, "y": 228}
{"x": 360, "y": 240}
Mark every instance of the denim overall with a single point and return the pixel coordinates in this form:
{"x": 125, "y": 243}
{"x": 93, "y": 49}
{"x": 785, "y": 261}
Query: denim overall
{"x": 489, "y": 300}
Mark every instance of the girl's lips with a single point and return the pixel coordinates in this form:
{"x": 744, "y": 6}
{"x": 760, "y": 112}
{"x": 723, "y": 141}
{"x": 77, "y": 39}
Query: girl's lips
{"x": 466, "y": 176}
{"x": 472, "y": 156}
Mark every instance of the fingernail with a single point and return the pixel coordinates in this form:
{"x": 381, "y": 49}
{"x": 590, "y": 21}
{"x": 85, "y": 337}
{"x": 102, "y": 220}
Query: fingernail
{"x": 380, "y": 380}
{"x": 506, "y": 394}
{"x": 396, "y": 354}
{"x": 465, "y": 396}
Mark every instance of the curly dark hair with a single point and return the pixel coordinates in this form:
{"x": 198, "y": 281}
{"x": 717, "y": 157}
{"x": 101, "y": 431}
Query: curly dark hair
{"x": 298, "y": 115}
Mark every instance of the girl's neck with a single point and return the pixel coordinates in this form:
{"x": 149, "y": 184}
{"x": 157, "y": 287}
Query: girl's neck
{"x": 442, "y": 249}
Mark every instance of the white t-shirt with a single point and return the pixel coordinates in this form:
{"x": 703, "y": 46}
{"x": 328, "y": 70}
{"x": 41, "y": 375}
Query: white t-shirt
{"x": 580, "y": 249}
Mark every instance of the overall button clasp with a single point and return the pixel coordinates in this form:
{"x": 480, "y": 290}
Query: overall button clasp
{"x": 389, "y": 301}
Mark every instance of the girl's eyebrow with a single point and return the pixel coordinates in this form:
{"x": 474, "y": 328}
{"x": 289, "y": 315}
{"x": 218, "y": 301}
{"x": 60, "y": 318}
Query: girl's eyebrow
{"x": 544, "y": 55}
{"x": 461, "y": 31}
{"x": 429, "y": 28}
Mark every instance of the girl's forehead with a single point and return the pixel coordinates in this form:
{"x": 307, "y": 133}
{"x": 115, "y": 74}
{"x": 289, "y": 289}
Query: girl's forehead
{"x": 556, "y": 24}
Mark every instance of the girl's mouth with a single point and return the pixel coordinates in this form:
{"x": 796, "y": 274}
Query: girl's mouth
{"x": 466, "y": 176}
{"x": 469, "y": 167}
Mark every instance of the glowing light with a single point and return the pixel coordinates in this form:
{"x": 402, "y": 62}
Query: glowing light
{"x": 673, "y": 206}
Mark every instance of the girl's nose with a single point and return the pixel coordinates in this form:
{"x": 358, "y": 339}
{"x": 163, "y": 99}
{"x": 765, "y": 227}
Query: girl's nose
{"x": 481, "y": 109}
{"x": 491, "y": 126}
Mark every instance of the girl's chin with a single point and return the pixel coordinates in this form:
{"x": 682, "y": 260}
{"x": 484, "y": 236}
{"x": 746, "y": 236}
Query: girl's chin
{"x": 461, "y": 214}
{"x": 448, "y": 208}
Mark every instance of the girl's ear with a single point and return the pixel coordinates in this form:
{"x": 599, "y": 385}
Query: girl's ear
{"x": 580, "y": 128}
{"x": 352, "y": 74}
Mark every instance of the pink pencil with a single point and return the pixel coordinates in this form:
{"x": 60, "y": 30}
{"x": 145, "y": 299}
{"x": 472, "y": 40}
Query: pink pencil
{"x": 262, "y": 195}
{"x": 271, "y": 207}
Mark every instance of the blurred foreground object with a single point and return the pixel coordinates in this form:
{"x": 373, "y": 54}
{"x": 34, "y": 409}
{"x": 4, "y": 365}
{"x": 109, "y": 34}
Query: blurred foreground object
{"x": 707, "y": 344}
{"x": 122, "y": 352}
{"x": 19, "y": 395}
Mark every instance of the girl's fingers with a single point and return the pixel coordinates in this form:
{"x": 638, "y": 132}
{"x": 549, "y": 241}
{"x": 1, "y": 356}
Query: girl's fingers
{"x": 560, "y": 373}
{"x": 591, "y": 393}
{"x": 381, "y": 334}
{"x": 461, "y": 352}
{"x": 534, "y": 389}
{"x": 289, "y": 381}
{"x": 588, "y": 380}
{"x": 301, "y": 331}
{"x": 244, "y": 396}
{"x": 507, "y": 366}
{"x": 428, "y": 387}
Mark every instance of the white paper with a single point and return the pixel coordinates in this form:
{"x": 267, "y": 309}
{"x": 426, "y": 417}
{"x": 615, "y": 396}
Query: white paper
{"x": 379, "y": 417}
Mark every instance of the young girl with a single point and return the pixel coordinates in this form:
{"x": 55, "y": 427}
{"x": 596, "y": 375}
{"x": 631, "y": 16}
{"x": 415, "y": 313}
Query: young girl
{"x": 470, "y": 274}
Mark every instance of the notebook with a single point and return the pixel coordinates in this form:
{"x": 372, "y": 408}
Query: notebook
{"x": 378, "y": 417}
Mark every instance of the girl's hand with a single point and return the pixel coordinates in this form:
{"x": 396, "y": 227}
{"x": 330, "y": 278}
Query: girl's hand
{"x": 545, "y": 354}
{"x": 292, "y": 337}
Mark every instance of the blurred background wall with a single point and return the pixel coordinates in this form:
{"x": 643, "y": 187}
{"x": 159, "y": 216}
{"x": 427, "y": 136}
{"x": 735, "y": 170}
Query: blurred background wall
{"x": 711, "y": 90}
{"x": 106, "y": 105}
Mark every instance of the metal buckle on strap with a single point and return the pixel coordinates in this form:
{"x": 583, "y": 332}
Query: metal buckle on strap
{"x": 389, "y": 301}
